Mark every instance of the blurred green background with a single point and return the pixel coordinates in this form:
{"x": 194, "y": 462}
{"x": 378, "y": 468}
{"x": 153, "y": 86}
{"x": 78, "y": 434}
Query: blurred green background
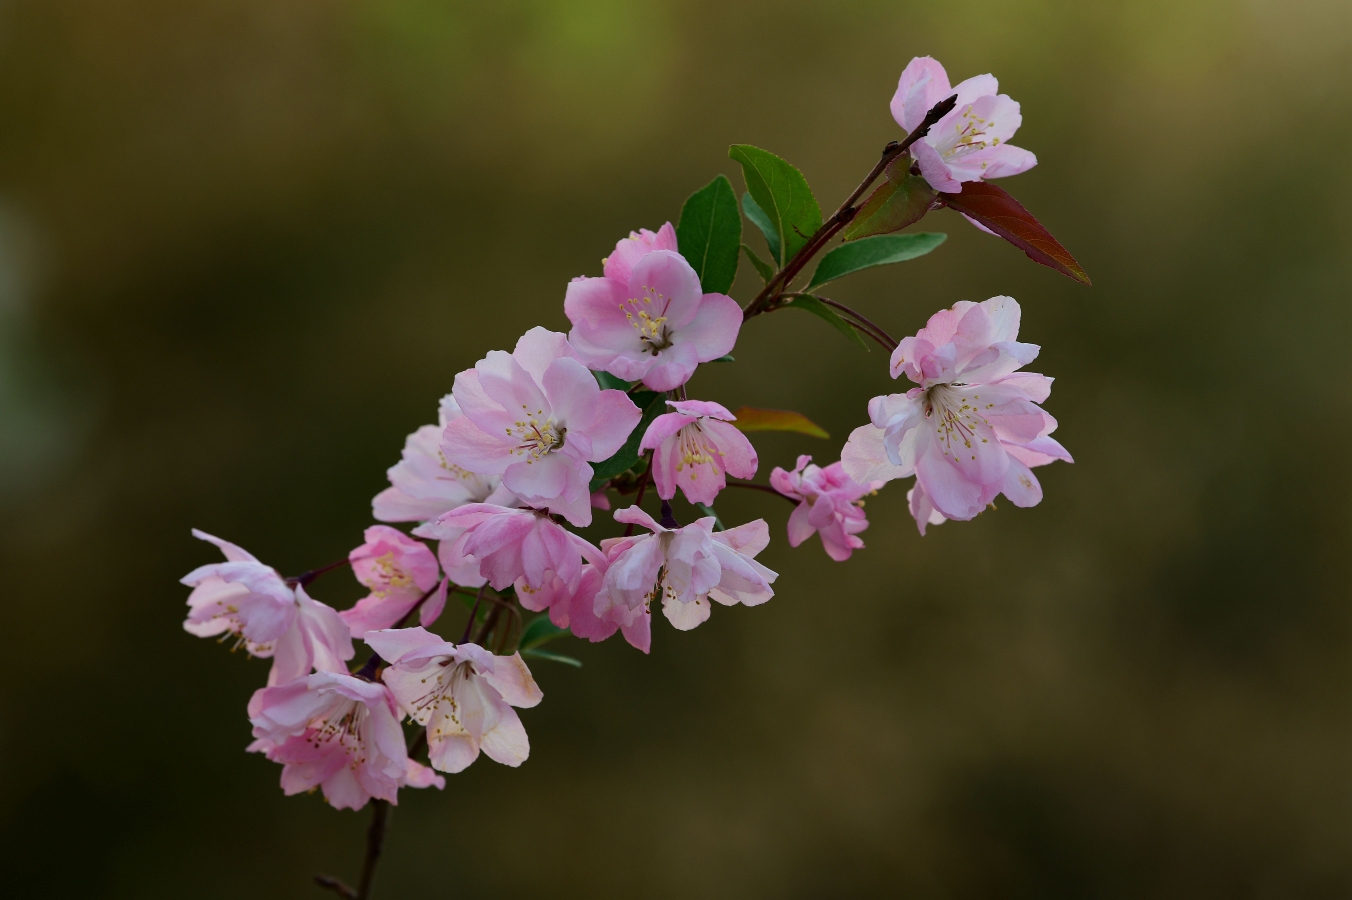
{"x": 245, "y": 245}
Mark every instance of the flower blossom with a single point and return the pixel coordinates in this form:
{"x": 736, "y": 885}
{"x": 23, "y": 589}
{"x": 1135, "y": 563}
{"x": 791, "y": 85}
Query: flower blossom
{"x": 339, "y": 733}
{"x": 647, "y": 318}
{"x": 971, "y": 142}
{"x": 423, "y": 485}
{"x": 830, "y": 505}
{"x": 462, "y": 694}
{"x": 695, "y": 448}
{"x": 399, "y": 571}
{"x": 972, "y": 428}
{"x": 685, "y": 567}
{"x": 269, "y": 617}
{"x": 537, "y": 417}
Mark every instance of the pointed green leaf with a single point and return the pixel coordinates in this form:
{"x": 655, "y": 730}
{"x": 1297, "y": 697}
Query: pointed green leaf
{"x": 782, "y": 193}
{"x": 728, "y": 358}
{"x": 709, "y": 511}
{"x": 761, "y": 220}
{"x": 653, "y": 404}
{"x": 903, "y": 199}
{"x": 539, "y": 630}
{"x": 751, "y": 418}
{"x": 879, "y": 250}
{"x": 609, "y": 382}
{"x": 552, "y": 657}
{"x": 709, "y": 233}
{"x": 811, "y": 304}
{"x": 763, "y": 268}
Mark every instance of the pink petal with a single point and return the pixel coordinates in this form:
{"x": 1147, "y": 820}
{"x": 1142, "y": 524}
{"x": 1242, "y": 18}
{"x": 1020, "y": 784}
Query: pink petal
{"x": 713, "y": 329}
{"x": 614, "y": 420}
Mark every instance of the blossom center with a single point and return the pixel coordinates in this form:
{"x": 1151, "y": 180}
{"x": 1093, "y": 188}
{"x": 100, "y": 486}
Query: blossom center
{"x": 968, "y": 135}
{"x": 346, "y": 724}
{"x": 694, "y": 449}
{"x": 438, "y": 708}
{"x": 648, "y": 316}
{"x": 537, "y": 436}
{"x": 388, "y": 576}
{"x": 955, "y": 416}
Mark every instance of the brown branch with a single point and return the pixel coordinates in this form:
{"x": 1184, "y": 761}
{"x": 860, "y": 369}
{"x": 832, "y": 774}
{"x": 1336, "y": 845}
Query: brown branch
{"x": 761, "y": 487}
{"x": 375, "y": 842}
{"x": 872, "y": 329}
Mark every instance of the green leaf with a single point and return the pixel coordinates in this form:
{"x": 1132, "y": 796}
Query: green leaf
{"x": 761, "y": 220}
{"x": 1002, "y": 214}
{"x": 709, "y": 511}
{"x": 609, "y": 382}
{"x": 880, "y": 250}
{"x": 728, "y": 358}
{"x": 903, "y": 199}
{"x": 751, "y": 418}
{"x": 782, "y": 193}
{"x": 552, "y": 657}
{"x": 539, "y": 630}
{"x": 811, "y": 304}
{"x": 709, "y": 233}
{"x": 652, "y": 403}
{"x": 763, "y": 268}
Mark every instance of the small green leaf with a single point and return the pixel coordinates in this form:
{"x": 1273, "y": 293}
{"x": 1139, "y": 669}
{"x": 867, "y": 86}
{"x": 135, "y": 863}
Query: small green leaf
{"x": 539, "y": 630}
{"x": 761, "y": 220}
{"x": 763, "y": 268}
{"x": 552, "y": 657}
{"x": 782, "y": 193}
{"x": 709, "y": 233}
{"x": 879, "y": 250}
{"x": 609, "y": 382}
{"x": 903, "y": 199}
{"x": 751, "y": 418}
{"x": 709, "y": 511}
{"x": 652, "y": 403}
{"x": 728, "y": 358}
{"x": 811, "y": 304}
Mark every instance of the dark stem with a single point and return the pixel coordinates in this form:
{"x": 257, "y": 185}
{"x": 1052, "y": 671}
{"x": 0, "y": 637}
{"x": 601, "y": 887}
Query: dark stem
{"x": 375, "y": 842}
{"x": 638, "y": 501}
{"x": 490, "y": 622}
{"x": 474, "y": 611}
{"x": 336, "y": 885}
{"x": 845, "y": 214}
{"x": 871, "y": 329}
{"x": 668, "y": 519}
{"x": 417, "y": 606}
{"x": 761, "y": 487}
{"x": 307, "y": 577}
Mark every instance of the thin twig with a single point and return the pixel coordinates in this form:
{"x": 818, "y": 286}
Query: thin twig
{"x": 417, "y": 606}
{"x": 336, "y": 885}
{"x": 761, "y": 487}
{"x": 307, "y": 577}
{"x": 873, "y": 330}
{"x": 642, "y": 486}
{"x": 375, "y": 842}
{"x": 469, "y": 626}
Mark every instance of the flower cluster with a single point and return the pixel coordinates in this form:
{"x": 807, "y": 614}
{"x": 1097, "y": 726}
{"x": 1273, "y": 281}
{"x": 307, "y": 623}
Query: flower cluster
{"x": 530, "y": 442}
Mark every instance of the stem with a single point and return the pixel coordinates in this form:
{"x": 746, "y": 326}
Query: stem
{"x": 638, "y": 501}
{"x": 375, "y": 841}
{"x": 307, "y": 577}
{"x": 761, "y": 487}
{"x": 469, "y": 626}
{"x": 668, "y": 519}
{"x": 490, "y": 622}
{"x": 871, "y": 329}
{"x": 845, "y": 214}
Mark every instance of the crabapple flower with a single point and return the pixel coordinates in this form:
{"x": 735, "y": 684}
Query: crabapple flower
{"x": 517, "y": 547}
{"x": 685, "y": 567}
{"x": 398, "y": 571}
{"x": 462, "y": 694}
{"x": 972, "y": 429}
{"x": 338, "y": 733}
{"x": 971, "y": 142}
{"x": 695, "y": 448}
{"x": 536, "y": 417}
{"x": 269, "y": 617}
{"x": 647, "y": 318}
{"x": 830, "y": 504}
{"x": 423, "y": 484}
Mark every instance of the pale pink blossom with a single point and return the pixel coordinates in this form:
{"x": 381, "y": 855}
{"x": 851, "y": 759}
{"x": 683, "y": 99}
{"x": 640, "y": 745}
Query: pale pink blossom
{"x": 696, "y": 449}
{"x": 423, "y": 484}
{"x": 971, "y": 143}
{"x": 267, "y": 615}
{"x": 647, "y": 318}
{"x": 537, "y": 417}
{"x": 463, "y": 695}
{"x": 830, "y": 504}
{"x": 972, "y": 429}
{"x": 339, "y": 733}
{"x": 399, "y": 571}
{"x": 684, "y": 567}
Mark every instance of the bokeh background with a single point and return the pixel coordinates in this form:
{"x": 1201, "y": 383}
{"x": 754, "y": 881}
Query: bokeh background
{"x": 245, "y": 245}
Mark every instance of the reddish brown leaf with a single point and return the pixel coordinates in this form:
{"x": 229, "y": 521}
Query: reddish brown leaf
{"x": 1002, "y": 214}
{"x": 749, "y": 418}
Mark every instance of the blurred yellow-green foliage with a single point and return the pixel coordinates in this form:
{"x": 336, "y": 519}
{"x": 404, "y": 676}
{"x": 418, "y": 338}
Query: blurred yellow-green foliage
{"x": 245, "y": 245}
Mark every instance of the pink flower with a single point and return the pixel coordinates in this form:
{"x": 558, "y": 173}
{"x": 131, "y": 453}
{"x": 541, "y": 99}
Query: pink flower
{"x": 972, "y": 429}
{"x": 537, "y": 417}
{"x": 830, "y": 504}
{"x": 971, "y": 142}
{"x": 463, "y": 695}
{"x": 683, "y": 566}
{"x": 647, "y": 319}
{"x": 423, "y": 485}
{"x": 696, "y": 449}
{"x": 517, "y": 547}
{"x": 399, "y": 571}
{"x": 336, "y": 732}
{"x": 252, "y": 601}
